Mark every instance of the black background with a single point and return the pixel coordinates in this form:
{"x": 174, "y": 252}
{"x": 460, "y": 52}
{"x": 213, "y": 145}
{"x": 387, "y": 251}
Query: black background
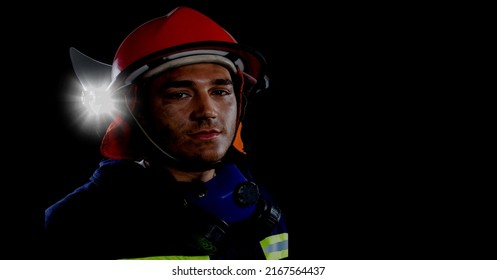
{"x": 363, "y": 133}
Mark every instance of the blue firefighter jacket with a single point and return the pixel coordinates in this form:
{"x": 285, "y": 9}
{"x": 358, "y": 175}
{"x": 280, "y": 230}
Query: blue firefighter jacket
{"x": 129, "y": 211}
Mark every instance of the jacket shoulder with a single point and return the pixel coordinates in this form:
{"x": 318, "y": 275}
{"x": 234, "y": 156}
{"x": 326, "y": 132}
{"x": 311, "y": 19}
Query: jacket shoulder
{"x": 117, "y": 171}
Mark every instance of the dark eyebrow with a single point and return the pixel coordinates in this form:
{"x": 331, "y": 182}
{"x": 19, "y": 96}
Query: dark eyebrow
{"x": 189, "y": 83}
{"x": 176, "y": 84}
{"x": 224, "y": 82}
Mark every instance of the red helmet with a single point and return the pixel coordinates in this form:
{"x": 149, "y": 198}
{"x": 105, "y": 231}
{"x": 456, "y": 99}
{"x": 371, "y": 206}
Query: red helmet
{"x": 182, "y": 32}
{"x": 183, "y": 36}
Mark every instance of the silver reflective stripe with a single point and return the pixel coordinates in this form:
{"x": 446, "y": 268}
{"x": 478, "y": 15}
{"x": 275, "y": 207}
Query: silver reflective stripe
{"x": 276, "y": 246}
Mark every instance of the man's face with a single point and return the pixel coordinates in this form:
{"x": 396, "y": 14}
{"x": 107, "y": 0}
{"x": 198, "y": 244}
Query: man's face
{"x": 193, "y": 112}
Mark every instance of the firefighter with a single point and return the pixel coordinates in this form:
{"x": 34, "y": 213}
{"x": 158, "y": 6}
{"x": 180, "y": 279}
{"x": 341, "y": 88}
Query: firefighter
{"x": 174, "y": 182}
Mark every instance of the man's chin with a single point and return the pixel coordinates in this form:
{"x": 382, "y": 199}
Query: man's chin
{"x": 201, "y": 162}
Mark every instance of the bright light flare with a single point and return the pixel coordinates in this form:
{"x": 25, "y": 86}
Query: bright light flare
{"x": 91, "y": 103}
{"x": 89, "y": 110}
{"x": 98, "y": 102}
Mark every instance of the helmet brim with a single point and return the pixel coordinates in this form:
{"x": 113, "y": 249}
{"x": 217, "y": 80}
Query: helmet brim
{"x": 247, "y": 59}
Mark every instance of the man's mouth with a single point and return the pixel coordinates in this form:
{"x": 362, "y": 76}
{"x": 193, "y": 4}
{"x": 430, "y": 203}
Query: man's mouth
{"x": 205, "y": 134}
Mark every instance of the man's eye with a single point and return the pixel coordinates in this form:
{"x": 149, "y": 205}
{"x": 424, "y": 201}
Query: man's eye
{"x": 175, "y": 95}
{"x": 221, "y": 92}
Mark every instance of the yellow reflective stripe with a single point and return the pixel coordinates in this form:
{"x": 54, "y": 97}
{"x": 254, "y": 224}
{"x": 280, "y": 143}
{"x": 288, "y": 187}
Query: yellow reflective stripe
{"x": 171, "y": 258}
{"x": 277, "y": 255}
{"x": 274, "y": 239}
{"x": 276, "y": 246}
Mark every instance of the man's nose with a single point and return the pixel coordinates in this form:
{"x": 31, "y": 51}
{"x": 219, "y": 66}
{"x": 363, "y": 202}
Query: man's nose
{"x": 204, "y": 106}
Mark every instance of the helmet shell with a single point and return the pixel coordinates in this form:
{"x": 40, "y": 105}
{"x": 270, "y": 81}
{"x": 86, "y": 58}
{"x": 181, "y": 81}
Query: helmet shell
{"x": 183, "y": 30}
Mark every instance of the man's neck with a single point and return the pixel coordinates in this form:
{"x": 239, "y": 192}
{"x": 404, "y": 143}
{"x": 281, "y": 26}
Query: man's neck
{"x": 188, "y": 176}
